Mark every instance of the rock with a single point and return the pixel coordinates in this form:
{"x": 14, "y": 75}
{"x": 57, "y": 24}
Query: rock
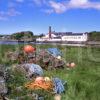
{"x": 12, "y": 56}
{"x": 19, "y": 89}
{"x": 57, "y": 97}
{"x": 3, "y": 88}
{"x": 19, "y": 68}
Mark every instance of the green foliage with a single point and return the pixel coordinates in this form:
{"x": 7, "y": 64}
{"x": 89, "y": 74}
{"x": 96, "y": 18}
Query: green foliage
{"x": 94, "y": 36}
{"x": 83, "y": 80}
{"x": 20, "y": 35}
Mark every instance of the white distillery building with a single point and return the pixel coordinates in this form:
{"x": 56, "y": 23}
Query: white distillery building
{"x": 63, "y": 37}
{"x": 77, "y": 37}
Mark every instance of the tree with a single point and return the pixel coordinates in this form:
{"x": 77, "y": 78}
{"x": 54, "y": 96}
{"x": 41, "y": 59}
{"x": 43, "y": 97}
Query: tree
{"x": 41, "y": 35}
{"x": 94, "y": 36}
{"x": 20, "y": 35}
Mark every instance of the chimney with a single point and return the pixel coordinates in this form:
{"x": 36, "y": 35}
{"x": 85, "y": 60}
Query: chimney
{"x": 50, "y": 32}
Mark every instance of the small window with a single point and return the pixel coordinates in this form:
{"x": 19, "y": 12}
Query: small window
{"x": 79, "y": 37}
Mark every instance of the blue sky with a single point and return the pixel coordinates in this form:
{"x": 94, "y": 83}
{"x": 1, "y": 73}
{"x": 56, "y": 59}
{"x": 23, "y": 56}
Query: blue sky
{"x": 38, "y": 15}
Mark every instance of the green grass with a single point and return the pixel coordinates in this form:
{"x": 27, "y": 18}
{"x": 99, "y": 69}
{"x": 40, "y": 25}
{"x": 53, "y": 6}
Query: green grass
{"x": 83, "y": 81}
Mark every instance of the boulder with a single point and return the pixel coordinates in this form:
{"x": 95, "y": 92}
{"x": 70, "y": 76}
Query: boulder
{"x": 3, "y": 88}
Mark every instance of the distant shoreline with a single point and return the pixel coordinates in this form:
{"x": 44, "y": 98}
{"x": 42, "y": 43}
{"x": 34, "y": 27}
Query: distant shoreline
{"x": 89, "y": 43}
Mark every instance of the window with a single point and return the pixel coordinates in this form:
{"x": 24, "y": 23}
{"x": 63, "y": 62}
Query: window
{"x": 79, "y": 37}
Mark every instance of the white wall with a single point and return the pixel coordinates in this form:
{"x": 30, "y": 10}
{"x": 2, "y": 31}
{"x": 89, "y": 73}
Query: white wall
{"x": 46, "y": 39}
{"x": 75, "y": 38}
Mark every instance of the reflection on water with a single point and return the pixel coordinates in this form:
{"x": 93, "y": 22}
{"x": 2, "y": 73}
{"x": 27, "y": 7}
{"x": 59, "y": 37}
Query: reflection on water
{"x": 12, "y": 42}
{"x": 16, "y": 43}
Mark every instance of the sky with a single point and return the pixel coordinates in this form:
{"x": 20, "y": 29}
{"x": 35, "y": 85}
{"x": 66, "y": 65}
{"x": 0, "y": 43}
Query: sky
{"x": 38, "y": 15}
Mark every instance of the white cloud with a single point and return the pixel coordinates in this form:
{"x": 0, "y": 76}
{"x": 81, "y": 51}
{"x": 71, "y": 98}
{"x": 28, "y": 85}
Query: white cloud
{"x": 60, "y": 7}
{"x": 84, "y": 4}
{"x": 20, "y": 1}
{"x": 10, "y": 10}
{"x": 47, "y": 11}
{"x": 13, "y": 12}
{"x": 39, "y": 2}
{"x": 78, "y": 2}
{"x": 2, "y": 16}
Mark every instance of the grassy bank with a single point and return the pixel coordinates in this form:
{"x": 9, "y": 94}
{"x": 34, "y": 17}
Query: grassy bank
{"x": 83, "y": 80}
